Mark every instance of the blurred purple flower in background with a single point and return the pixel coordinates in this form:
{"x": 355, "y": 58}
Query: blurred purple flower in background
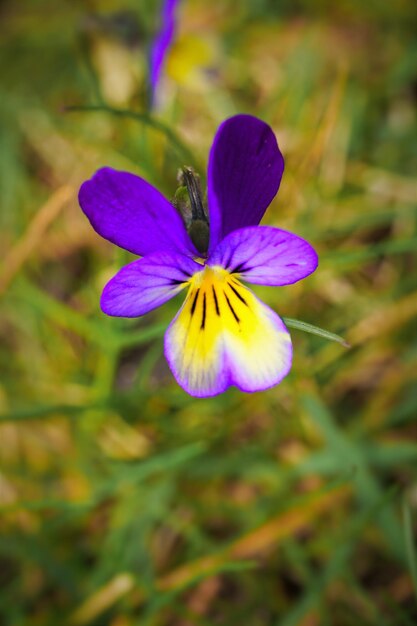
{"x": 223, "y": 334}
{"x": 161, "y": 45}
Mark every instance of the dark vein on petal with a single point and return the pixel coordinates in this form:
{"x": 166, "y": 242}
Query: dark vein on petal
{"x": 203, "y": 320}
{"x": 194, "y": 304}
{"x": 232, "y": 309}
{"x": 216, "y": 302}
{"x": 239, "y": 268}
{"x": 235, "y": 291}
{"x": 231, "y": 255}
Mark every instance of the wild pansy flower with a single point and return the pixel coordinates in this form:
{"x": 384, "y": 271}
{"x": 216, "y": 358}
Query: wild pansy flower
{"x": 223, "y": 334}
{"x": 161, "y": 44}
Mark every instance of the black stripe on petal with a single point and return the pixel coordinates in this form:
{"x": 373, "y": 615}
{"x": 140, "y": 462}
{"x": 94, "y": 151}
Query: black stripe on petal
{"x": 229, "y": 260}
{"x": 194, "y": 304}
{"x": 203, "y": 319}
{"x": 235, "y": 291}
{"x": 232, "y": 309}
{"x": 216, "y": 302}
{"x": 239, "y": 268}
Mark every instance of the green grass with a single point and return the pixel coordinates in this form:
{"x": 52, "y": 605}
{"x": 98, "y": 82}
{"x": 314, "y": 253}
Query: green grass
{"x": 123, "y": 501}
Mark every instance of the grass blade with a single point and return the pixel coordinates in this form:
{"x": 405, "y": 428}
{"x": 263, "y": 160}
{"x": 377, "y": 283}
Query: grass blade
{"x": 410, "y": 545}
{"x": 147, "y": 120}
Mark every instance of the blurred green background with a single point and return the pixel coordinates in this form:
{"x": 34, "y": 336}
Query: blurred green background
{"x": 124, "y": 501}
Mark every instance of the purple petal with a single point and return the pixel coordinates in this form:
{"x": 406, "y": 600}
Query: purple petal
{"x": 131, "y": 213}
{"x": 223, "y": 335}
{"x": 161, "y": 44}
{"x": 244, "y": 174}
{"x": 146, "y": 284}
{"x": 265, "y": 256}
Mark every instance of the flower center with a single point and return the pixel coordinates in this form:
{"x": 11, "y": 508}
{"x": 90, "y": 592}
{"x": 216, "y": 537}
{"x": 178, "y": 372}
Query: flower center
{"x": 215, "y": 292}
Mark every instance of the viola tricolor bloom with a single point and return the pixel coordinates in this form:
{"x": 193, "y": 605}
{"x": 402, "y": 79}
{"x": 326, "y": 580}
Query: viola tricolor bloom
{"x": 223, "y": 334}
{"x": 161, "y": 44}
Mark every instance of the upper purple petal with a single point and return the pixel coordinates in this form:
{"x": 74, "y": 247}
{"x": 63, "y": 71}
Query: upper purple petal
{"x": 147, "y": 283}
{"x": 265, "y": 256}
{"x": 131, "y": 213}
{"x": 244, "y": 174}
{"x": 161, "y": 44}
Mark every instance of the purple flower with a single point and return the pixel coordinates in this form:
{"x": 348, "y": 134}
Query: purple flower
{"x": 223, "y": 334}
{"x": 162, "y": 44}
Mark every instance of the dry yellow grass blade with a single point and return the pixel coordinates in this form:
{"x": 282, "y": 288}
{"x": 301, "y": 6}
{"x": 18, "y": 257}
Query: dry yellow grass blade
{"x": 104, "y": 598}
{"x": 383, "y": 182}
{"x": 384, "y": 320}
{"x": 34, "y": 234}
{"x": 249, "y": 545}
{"x": 390, "y": 386}
{"x": 256, "y": 541}
{"x": 328, "y": 123}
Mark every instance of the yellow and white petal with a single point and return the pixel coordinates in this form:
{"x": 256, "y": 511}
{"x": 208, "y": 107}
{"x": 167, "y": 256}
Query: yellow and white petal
{"x": 223, "y": 335}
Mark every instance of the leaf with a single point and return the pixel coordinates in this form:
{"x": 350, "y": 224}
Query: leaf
{"x": 314, "y": 330}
